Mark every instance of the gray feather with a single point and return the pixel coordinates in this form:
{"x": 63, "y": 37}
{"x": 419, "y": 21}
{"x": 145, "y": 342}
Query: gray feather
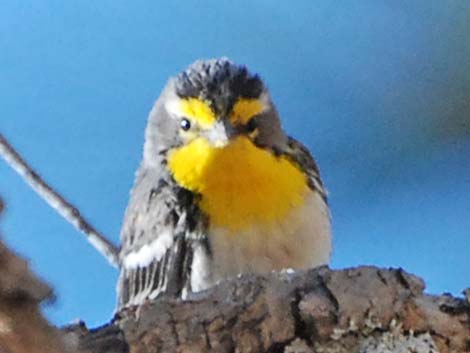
{"x": 158, "y": 206}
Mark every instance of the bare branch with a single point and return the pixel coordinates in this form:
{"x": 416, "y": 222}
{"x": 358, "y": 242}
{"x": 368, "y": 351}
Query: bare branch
{"x": 365, "y": 309}
{"x": 56, "y": 201}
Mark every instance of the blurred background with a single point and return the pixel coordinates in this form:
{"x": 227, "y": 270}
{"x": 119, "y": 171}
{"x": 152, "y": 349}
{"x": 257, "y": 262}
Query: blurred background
{"x": 379, "y": 91}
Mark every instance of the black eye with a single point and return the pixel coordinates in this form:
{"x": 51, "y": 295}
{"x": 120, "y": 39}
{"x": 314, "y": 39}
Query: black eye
{"x": 252, "y": 125}
{"x": 185, "y": 124}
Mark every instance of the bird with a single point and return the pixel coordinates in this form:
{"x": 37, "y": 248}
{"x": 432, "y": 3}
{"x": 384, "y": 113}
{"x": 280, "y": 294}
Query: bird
{"x": 221, "y": 189}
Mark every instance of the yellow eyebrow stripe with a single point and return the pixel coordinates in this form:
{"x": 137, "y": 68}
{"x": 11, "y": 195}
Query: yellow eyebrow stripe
{"x": 244, "y": 109}
{"x": 199, "y": 111}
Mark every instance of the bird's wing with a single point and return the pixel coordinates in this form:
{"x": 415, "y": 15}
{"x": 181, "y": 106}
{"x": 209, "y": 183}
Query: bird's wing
{"x": 302, "y": 157}
{"x": 161, "y": 224}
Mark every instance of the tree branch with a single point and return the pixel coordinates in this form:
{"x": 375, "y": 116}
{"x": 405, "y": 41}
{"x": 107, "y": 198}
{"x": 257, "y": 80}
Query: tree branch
{"x": 57, "y": 202}
{"x": 365, "y": 309}
{"x": 22, "y": 327}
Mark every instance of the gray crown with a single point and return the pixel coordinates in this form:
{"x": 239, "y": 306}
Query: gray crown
{"x": 218, "y": 81}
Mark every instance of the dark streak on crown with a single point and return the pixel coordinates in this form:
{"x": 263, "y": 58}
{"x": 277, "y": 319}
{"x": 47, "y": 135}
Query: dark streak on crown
{"x": 218, "y": 81}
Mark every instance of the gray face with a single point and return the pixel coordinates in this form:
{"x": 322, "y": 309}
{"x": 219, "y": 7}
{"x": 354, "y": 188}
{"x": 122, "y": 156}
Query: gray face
{"x": 220, "y": 85}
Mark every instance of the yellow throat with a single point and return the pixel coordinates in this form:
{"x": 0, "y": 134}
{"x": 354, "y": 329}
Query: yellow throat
{"x": 240, "y": 184}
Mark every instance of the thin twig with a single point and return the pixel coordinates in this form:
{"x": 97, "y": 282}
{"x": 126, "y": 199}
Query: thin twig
{"x": 56, "y": 201}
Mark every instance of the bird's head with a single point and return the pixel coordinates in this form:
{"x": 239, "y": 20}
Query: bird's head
{"x": 213, "y": 102}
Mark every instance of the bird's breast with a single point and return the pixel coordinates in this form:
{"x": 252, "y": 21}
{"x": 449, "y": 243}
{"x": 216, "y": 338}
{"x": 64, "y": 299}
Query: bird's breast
{"x": 299, "y": 241}
{"x": 241, "y": 185}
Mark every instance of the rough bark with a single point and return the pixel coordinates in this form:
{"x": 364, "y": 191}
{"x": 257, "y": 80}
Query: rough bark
{"x": 364, "y": 309}
{"x": 22, "y": 327}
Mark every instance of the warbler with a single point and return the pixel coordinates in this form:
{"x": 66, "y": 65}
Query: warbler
{"x": 221, "y": 189}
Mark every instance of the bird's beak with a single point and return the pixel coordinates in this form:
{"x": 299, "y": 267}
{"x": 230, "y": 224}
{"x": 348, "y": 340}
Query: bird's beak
{"x": 221, "y": 134}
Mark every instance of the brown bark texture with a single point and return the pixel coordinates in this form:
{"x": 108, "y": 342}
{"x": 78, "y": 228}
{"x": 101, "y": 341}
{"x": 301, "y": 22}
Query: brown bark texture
{"x": 364, "y": 309}
{"x": 22, "y": 327}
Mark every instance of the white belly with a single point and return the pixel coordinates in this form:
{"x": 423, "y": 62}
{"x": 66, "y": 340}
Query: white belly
{"x": 301, "y": 240}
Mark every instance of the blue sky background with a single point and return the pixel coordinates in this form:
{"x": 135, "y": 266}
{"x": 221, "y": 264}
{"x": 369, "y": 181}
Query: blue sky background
{"x": 379, "y": 91}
